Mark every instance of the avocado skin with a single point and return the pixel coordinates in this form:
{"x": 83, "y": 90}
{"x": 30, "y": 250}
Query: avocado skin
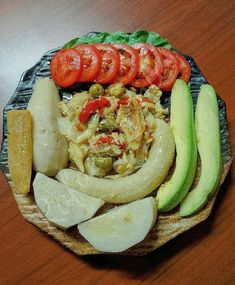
{"x": 209, "y": 147}
{"x": 173, "y": 191}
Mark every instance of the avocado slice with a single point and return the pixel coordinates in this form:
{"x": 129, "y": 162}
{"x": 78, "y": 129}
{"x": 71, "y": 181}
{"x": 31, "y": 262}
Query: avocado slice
{"x": 209, "y": 148}
{"x": 173, "y": 191}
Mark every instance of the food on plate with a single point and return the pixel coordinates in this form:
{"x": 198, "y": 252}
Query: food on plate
{"x": 129, "y": 63}
{"x": 133, "y": 186}
{"x": 91, "y": 107}
{"x": 101, "y": 130}
{"x": 131, "y": 120}
{"x": 19, "y": 126}
{"x": 209, "y": 147}
{"x": 184, "y": 68}
{"x": 66, "y": 67}
{"x": 170, "y": 69}
{"x": 172, "y": 192}
{"x": 140, "y": 59}
{"x": 139, "y": 65}
{"x": 117, "y": 90}
{"x": 91, "y": 60}
{"x": 116, "y": 126}
{"x": 96, "y": 90}
{"x": 109, "y": 64}
{"x": 121, "y": 227}
{"x": 140, "y": 36}
{"x": 50, "y": 148}
{"x": 62, "y": 205}
{"x": 150, "y": 65}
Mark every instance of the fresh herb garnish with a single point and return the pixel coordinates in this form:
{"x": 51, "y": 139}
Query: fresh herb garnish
{"x": 140, "y": 36}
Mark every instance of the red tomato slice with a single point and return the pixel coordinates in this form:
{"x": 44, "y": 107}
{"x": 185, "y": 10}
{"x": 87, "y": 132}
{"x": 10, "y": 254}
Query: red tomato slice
{"x": 110, "y": 63}
{"x": 129, "y": 63}
{"x": 66, "y": 67}
{"x": 184, "y": 68}
{"x": 170, "y": 69}
{"x": 91, "y": 62}
{"x": 150, "y": 65}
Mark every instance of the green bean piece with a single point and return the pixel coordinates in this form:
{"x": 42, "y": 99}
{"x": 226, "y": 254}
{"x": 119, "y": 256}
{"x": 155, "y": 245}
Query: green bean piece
{"x": 116, "y": 90}
{"x": 96, "y": 90}
{"x": 104, "y": 162}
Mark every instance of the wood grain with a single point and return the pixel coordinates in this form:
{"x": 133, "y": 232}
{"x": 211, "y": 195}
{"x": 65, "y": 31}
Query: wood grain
{"x": 203, "y": 29}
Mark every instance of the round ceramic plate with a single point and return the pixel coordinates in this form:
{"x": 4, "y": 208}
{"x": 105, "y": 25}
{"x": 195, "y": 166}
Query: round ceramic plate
{"x": 168, "y": 224}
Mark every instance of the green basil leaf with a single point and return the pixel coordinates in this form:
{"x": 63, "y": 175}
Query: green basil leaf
{"x": 90, "y": 38}
{"x": 117, "y": 37}
{"x": 140, "y": 36}
{"x": 71, "y": 43}
{"x": 156, "y": 40}
{"x": 93, "y": 38}
{"x": 167, "y": 45}
{"x": 153, "y": 37}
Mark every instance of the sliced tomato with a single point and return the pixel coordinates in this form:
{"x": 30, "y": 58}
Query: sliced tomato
{"x": 150, "y": 65}
{"x": 129, "y": 63}
{"x": 184, "y": 68}
{"x": 66, "y": 67}
{"x": 170, "y": 69}
{"x": 110, "y": 63}
{"x": 91, "y": 58}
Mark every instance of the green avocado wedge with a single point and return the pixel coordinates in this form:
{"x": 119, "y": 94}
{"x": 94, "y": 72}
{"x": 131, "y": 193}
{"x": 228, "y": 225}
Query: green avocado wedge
{"x": 209, "y": 148}
{"x": 171, "y": 193}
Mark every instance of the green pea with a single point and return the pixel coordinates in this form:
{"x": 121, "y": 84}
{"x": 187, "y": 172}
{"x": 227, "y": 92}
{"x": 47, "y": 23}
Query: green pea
{"x": 96, "y": 90}
{"x": 104, "y": 163}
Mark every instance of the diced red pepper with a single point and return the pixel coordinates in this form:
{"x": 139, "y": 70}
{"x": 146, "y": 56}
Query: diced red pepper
{"x": 122, "y": 146}
{"x": 109, "y": 140}
{"x": 123, "y": 102}
{"x": 92, "y": 106}
{"x": 147, "y": 100}
{"x": 106, "y": 139}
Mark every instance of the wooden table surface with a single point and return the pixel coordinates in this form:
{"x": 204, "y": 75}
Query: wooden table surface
{"x": 201, "y": 28}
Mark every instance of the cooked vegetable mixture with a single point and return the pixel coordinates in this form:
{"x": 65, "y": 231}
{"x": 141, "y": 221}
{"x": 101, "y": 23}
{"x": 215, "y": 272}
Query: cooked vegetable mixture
{"x": 110, "y": 131}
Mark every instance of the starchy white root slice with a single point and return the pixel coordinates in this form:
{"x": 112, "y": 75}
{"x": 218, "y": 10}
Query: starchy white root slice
{"x": 121, "y": 227}
{"x": 62, "y": 205}
{"x": 134, "y": 186}
{"x": 50, "y": 148}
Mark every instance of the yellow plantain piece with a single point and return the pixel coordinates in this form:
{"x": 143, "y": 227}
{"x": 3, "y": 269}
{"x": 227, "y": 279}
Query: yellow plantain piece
{"x": 19, "y": 125}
